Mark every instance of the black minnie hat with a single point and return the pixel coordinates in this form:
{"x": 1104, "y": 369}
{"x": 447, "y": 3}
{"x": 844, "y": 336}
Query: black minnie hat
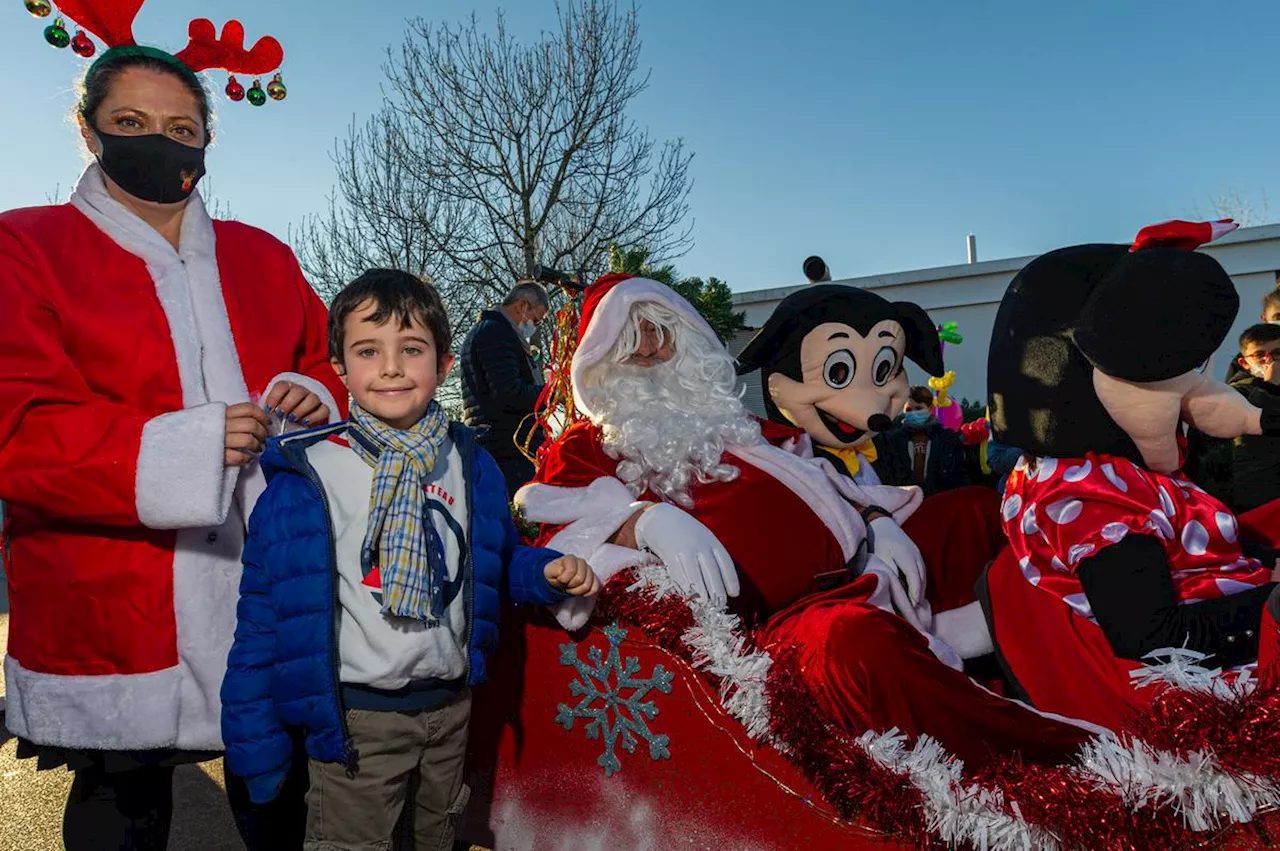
{"x": 1144, "y": 312}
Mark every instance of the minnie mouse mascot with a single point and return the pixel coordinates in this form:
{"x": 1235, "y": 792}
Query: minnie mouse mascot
{"x": 1097, "y": 362}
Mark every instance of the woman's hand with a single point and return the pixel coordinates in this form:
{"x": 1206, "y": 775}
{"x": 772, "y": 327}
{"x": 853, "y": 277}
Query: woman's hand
{"x": 246, "y": 433}
{"x": 296, "y": 404}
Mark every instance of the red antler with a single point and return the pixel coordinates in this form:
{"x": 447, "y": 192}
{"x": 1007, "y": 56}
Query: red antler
{"x": 206, "y": 50}
{"x": 109, "y": 20}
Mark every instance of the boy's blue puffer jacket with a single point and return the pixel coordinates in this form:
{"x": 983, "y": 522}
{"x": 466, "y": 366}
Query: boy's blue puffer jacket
{"x": 283, "y": 668}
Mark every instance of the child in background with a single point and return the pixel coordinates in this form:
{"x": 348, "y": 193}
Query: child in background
{"x": 1270, "y": 315}
{"x": 1271, "y": 307}
{"x": 373, "y": 573}
{"x": 1255, "y": 458}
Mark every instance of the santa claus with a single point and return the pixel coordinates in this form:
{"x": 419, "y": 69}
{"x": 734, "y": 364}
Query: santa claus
{"x": 665, "y": 463}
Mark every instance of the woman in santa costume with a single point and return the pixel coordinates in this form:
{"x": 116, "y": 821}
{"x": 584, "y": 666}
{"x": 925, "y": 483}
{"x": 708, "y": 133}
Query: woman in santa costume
{"x": 666, "y": 460}
{"x": 143, "y": 343}
{"x": 1097, "y": 359}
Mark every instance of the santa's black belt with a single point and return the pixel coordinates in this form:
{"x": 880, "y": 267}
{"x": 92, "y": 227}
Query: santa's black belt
{"x": 832, "y": 579}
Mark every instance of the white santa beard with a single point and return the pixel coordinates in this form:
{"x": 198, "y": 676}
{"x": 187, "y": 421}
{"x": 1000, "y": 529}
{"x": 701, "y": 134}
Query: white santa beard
{"x": 669, "y": 427}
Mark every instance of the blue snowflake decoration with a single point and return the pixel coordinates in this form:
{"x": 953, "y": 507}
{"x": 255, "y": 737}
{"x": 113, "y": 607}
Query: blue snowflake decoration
{"x": 613, "y": 700}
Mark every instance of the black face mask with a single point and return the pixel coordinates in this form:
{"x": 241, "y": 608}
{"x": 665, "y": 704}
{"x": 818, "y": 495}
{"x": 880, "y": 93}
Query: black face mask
{"x": 153, "y": 168}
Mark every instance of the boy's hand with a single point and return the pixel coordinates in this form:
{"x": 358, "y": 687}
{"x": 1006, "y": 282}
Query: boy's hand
{"x": 246, "y": 432}
{"x": 572, "y": 574}
{"x": 296, "y": 404}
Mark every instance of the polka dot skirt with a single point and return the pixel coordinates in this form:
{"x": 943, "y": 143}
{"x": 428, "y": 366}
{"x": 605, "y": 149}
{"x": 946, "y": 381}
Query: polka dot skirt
{"x": 1062, "y": 511}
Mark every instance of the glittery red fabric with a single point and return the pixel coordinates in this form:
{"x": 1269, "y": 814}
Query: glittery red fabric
{"x": 1064, "y": 511}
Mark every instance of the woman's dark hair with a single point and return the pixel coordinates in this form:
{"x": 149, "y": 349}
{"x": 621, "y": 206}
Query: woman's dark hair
{"x": 393, "y": 293}
{"x": 101, "y": 74}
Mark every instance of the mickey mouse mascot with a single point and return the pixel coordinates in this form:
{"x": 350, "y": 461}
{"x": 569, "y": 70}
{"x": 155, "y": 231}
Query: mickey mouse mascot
{"x": 1097, "y": 360}
{"x": 832, "y": 361}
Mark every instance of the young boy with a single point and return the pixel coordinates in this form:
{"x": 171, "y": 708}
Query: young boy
{"x": 373, "y": 573}
{"x": 1255, "y": 463}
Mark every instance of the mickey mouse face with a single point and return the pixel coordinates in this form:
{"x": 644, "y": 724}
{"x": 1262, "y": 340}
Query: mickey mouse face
{"x": 851, "y": 384}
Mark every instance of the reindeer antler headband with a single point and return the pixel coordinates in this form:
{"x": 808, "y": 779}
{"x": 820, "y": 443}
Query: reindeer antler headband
{"x": 112, "y": 22}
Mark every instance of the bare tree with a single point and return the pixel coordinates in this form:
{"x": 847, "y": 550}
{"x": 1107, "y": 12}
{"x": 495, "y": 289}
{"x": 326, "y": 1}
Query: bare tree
{"x": 380, "y": 213}
{"x": 1231, "y": 203}
{"x": 489, "y": 157}
{"x": 216, "y": 207}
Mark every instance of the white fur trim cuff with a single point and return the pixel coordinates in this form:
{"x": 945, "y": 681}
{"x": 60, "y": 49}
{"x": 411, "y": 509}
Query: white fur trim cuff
{"x": 552, "y": 504}
{"x": 106, "y": 712}
{"x": 965, "y": 630}
{"x": 606, "y": 562}
{"x": 182, "y": 480}
{"x": 316, "y": 387}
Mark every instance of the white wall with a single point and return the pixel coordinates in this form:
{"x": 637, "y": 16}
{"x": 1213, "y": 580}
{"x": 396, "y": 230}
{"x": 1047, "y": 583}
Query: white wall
{"x": 969, "y": 295}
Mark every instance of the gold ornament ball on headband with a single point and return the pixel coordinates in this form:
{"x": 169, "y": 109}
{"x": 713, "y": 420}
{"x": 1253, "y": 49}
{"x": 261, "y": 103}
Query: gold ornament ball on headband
{"x": 39, "y": 8}
{"x": 276, "y": 88}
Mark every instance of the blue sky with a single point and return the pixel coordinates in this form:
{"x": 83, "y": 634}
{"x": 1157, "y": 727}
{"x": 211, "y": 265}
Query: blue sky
{"x": 876, "y": 134}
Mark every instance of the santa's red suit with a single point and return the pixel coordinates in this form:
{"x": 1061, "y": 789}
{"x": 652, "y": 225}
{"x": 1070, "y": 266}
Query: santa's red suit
{"x": 120, "y": 358}
{"x": 787, "y": 529}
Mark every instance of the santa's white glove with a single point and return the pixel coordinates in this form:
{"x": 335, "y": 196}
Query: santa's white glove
{"x": 918, "y": 615}
{"x": 693, "y": 556}
{"x": 900, "y": 553}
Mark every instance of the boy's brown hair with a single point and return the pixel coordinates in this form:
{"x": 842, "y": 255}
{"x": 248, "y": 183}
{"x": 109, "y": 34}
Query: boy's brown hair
{"x": 1260, "y": 334}
{"x": 393, "y": 293}
{"x": 922, "y": 395}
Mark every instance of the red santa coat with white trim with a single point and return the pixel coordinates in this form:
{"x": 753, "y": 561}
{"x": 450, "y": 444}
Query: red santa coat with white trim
{"x": 777, "y": 567}
{"x": 125, "y": 528}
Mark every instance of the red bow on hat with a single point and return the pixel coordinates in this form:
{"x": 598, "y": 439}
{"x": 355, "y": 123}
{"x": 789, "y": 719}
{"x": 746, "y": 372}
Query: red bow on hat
{"x": 1180, "y": 234}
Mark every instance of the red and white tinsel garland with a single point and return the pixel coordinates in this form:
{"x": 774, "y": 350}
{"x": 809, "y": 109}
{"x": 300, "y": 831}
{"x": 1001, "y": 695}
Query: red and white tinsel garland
{"x": 1207, "y": 758}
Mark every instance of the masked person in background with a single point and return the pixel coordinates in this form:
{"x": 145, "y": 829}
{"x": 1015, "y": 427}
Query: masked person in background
{"x": 920, "y": 451}
{"x": 1255, "y": 459}
{"x": 500, "y": 385}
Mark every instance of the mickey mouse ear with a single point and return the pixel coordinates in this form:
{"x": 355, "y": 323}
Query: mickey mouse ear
{"x": 1180, "y": 234}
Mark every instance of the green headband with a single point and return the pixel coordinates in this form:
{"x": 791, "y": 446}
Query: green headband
{"x": 136, "y": 50}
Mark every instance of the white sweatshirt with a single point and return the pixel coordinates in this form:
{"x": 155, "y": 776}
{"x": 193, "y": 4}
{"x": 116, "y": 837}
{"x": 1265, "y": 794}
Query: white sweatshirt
{"x": 382, "y": 651}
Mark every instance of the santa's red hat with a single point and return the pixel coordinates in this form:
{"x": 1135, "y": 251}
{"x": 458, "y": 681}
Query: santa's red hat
{"x": 606, "y": 306}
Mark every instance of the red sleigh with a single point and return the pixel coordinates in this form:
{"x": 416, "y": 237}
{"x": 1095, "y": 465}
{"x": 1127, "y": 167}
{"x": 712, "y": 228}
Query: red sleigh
{"x": 553, "y": 767}
{"x": 692, "y": 778}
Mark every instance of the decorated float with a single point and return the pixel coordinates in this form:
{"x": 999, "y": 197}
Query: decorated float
{"x": 663, "y": 720}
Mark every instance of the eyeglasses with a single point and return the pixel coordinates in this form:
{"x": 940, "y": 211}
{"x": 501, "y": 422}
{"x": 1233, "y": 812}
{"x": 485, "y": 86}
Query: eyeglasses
{"x": 1263, "y": 356}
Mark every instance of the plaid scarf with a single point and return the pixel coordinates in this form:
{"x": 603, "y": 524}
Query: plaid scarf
{"x": 401, "y": 539}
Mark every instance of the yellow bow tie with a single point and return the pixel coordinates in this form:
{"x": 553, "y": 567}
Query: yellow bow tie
{"x": 853, "y": 457}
